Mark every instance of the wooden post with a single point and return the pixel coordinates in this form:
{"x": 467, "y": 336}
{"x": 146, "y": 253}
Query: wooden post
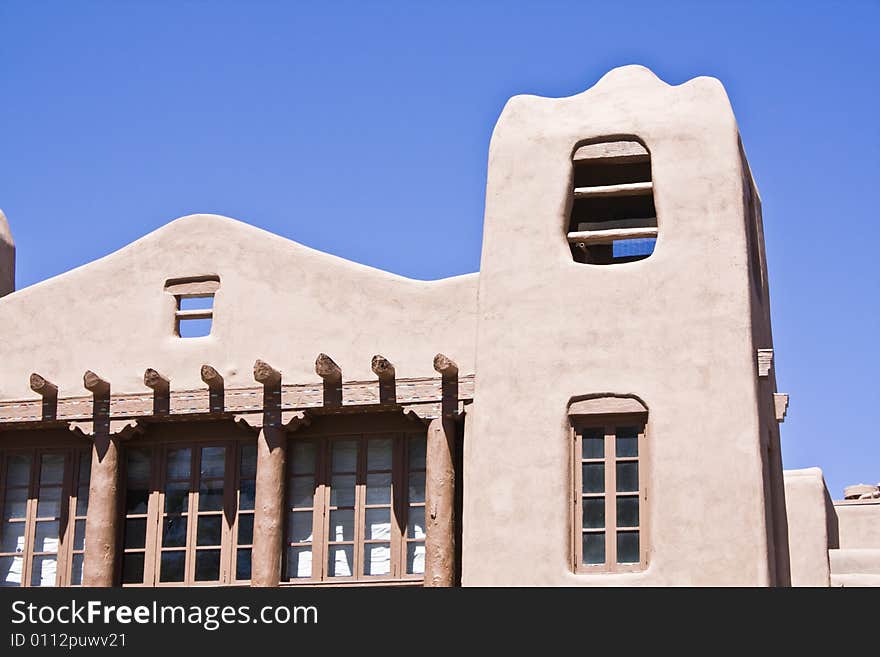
{"x": 440, "y": 504}
{"x": 383, "y": 369}
{"x": 99, "y": 563}
{"x": 331, "y": 373}
{"x": 49, "y": 392}
{"x": 270, "y": 483}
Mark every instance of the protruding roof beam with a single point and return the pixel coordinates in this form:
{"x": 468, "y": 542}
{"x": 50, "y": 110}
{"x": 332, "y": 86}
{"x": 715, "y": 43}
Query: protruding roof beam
{"x": 95, "y": 384}
{"x": 445, "y": 365}
{"x": 266, "y": 374}
{"x": 214, "y": 380}
{"x": 49, "y": 392}
{"x": 384, "y": 369}
{"x": 330, "y": 372}
{"x": 161, "y": 387}
{"x": 43, "y": 386}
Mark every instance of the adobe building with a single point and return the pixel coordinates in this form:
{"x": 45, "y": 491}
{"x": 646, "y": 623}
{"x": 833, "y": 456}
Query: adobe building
{"x": 217, "y": 405}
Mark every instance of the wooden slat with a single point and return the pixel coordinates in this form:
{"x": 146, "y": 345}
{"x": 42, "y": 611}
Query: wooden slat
{"x": 625, "y": 189}
{"x": 608, "y": 236}
{"x": 616, "y": 151}
{"x": 195, "y": 314}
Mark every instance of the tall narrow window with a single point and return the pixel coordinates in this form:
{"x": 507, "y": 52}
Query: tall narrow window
{"x": 44, "y": 495}
{"x": 356, "y": 508}
{"x": 194, "y": 315}
{"x": 612, "y": 219}
{"x": 189, "y": 513}
{"x": 609, "y": 489}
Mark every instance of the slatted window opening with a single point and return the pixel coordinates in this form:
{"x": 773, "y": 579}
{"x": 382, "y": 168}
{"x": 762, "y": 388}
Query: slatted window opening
{"x": 194, "y": 298}
{"x": 356, "y": 509}
{"x": 43, "y": 497}
{"x": 609, "y": 498}
{"x": 613, "y": 219}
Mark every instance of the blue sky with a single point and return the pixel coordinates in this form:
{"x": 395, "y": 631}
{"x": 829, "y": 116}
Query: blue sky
{"x": 362, "y": 129}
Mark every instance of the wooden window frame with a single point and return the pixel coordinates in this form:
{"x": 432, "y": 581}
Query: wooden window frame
{"x": 321, "y": 507}
{"x": 229, "y": 513}
{"x": 608, "y": 424}
{"x": 67, "y": 515}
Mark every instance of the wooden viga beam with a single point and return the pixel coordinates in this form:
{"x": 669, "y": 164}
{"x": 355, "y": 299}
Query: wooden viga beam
{"x": 266, "y": 374}
{"x": 384, "y": 370}
{"x": 95, "y": 384}
{"x": 330, "y": 372}
{"x": 161, "y": 387}
{"x": 214, "y": 380}
{"x": 49, "y": 392}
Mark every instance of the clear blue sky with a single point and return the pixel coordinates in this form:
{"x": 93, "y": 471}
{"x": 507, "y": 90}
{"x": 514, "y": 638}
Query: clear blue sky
{"x": 362, "y": 129}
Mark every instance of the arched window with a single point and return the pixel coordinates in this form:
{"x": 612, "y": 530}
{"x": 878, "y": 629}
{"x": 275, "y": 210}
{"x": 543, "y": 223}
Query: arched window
{"x": 612, "y": 218}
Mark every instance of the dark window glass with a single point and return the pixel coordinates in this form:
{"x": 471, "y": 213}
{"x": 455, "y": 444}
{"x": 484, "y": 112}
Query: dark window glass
{"x": 594, "y": 512}
{"x": 627, "y": 476}
{"x": 172, "y": 566}
{"x": 627, "y": 547}
{"x": 628, "y": 511}
{"x": 594, "y": 477}
{"x": 594, "y": 548}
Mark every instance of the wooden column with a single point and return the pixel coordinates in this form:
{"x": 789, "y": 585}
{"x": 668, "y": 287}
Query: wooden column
{"x": 99, "y": 563}
{"x": 270, "y": 484}
{"x": 440, "y": 504}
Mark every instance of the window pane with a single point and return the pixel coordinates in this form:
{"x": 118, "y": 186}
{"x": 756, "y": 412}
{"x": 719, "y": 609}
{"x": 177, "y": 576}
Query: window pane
{"x": 174, "y": 534}
{"x": 196, "y": 303}
{"x": 377, "y": 559}
{"x": 594, "y": 548}
{"x": 79, "y": 535}
{"x": 628, "y": 547}
{"x": 136, "y": 500}
{"x": 213, "y": 462}
{"x": 342, "y": 490}
{"x": 594, "y": 512}
{"x": 13, "y": 537}
{"x": 593, "y": 477}
{"x": 82, "y": 499}
{"x": 299, "y": 562}
{"x": 300, "y": 527}
{"x": 627, "y": 476}
{"x": 211, "y": 495}
{"x": 627, "y": 441}
{"x": 179, "y": 462}
{"x": 18, "y": 470}
{"x": 176, "y": 498}
{"x": 243, "y": 564}
{"x": 248, "y": 467}
{"x": 46, "y": 536}
{"x": 76, "y": 570}
{"x": 85, "y": 469}
{"x": 51, "y": 469}
{"x": 416, "y": 487}
{"x": 245, "y": 529}
{"x": 417, "y": 447}
{"x": 379, "y": 488}
{"x": 303, "y": 457}
{"x": 171, "y": 566}
{"x": 342, "y": 525}
{"x": 340, "y": 561}
{"x": 15, "y": 505}
{"x": 207, "y": 565}
{"x": 209, "y": 530}
{"x": 415, "y": 526}
{"x": 135, "y": 532}
{"x": 628, "y": 511}
{"x": 247, "y": 493}
{"x": 302, "y": 492}
{"x": 10, "y": 570}
{"x": 344, "y": 456}
{"x": 379, "y": 454}
{"x": 133, "y": 568}
{"x": 137, "y": 464}
{"x": 593, "y": 444}
{"x": 415, "y": 558}
{"x": 49, "y": 504}
{"x": 43, "y": 571}
{"x": 377, "y": 523}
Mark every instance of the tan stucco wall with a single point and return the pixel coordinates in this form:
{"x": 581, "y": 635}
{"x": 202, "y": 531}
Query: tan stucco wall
{"x": 808, "y": 511}
{"x": 278, "y": 301}
{"x": 673, "y": 329}
{"x": 858, "y": 522}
